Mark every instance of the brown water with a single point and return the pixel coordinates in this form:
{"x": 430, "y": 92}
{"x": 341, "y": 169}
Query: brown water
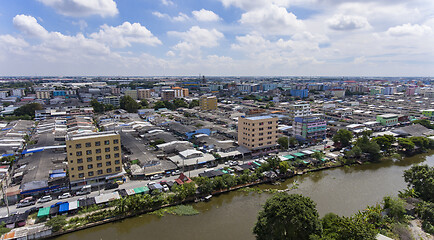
{"x": 231, "y": 216}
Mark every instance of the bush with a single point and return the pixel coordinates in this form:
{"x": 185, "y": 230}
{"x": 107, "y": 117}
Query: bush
{"x": 56, "y": 223}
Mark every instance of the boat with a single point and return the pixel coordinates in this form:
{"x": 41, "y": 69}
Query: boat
{"x": 207, "y": 198}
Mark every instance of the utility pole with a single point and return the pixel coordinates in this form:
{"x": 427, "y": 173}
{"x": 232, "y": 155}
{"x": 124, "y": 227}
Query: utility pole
{"x": 5, "y": 197}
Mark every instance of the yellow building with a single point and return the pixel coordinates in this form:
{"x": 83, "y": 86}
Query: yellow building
{"x": 93, "y": 157}
{"x": 208, "y": 103}
{"x": 258, "y": 133}
{"x": 144, "y": 93}
{"x": 43, "y": 94}
{"x": 131, "y": 93}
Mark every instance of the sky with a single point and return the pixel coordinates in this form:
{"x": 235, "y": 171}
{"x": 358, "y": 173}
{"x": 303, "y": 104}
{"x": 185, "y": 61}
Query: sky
{"x": 217, "y": 38}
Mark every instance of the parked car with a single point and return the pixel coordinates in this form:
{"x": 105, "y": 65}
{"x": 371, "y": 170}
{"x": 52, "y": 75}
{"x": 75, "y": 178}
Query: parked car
{"x": 156, "y": 176}
{"x": 45, "y": 199}
{"x": 84, "y": 190}
{"x": 176, "y": 172}
{"x": 65, "y": 195}
{"x": 25, "y": 203}
{"x": 165, "y": 188}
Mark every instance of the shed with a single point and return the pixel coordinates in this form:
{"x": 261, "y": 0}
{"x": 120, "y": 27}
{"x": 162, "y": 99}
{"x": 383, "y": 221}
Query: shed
{"x": 73, "y": 205}
{"x": 63, "y": 208}
{"x": 298, "y": 154}
{"x": 54, "y": 210}
{"x": 139, "y": 190}
{"x": 288, "y": 157}
{"x": 103, "y": 198}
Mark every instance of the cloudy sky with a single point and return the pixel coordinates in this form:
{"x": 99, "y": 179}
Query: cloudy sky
{"x": 217, "y": 37}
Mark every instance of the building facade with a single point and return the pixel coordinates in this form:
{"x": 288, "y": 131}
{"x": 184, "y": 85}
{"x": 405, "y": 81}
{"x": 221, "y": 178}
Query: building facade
{"x": 309, "y": 129}
{"x": 299, "y": 110}
{"x": 131, "y": 93}
{"x": 167, "y": 95}
{"x": 208, "y": 103}
{"x": 43, "y": 94}
{"x": 258, "y": 133}
{"x": 144, "y": 93}
{"x": 301, "y": 93}
{"x": 93, "y": 158}
{"x": 387, "y": 119}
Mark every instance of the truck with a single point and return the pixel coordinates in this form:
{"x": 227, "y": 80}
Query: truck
{"x": 85, "y": 190}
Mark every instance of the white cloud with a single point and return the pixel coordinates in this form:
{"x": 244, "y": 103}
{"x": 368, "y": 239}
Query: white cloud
{"x": 125, "y": 34}
{"x": 205, "y": 15}
{"x": 409, "y": 30}
{"x": 167, "y": 2}
{"x": 83, "y": 8}
{"x": 346, "y": 22}
{"x": 272, "y": 20}
{"x": 81, "y": 23}
{"x": 180, "y": 18}
{"x": 255, "y": 4}
{"x": 30, "y": 26}
{"x": 170, "y": 54}
{"x": 200, "y": 36}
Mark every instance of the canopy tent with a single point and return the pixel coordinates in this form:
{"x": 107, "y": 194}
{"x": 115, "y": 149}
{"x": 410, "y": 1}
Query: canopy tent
{"x": 43, "y": 212}
{"x": 130, "y": 192}
{"x": 63, "y": 208}
{"x": 139, "y": 190}
{"x": 298, "y": 154}
{"x": 307, "y": 152}
{"x": 73, "y": 205}
{"x": 288, "y": 157}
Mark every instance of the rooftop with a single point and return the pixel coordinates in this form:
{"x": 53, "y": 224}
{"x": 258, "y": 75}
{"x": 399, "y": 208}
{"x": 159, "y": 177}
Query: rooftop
{"x": 90, "y": 135}
{"x": 260, "y": 117}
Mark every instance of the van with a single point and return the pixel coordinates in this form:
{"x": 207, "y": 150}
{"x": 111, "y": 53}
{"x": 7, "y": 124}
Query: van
{"x": 85, "y": 190}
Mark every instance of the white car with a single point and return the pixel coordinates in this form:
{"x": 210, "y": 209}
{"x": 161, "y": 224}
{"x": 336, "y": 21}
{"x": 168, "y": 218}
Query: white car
{"x": 45, "y": 199}
{"x": 65, "y": 195}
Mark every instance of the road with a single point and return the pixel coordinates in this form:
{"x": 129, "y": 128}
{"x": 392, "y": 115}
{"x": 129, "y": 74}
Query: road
{"x": 132, "y": 184}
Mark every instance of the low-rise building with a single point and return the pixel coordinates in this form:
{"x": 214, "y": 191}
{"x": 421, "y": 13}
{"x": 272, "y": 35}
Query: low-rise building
{"x": 131, "y": 93}
{"x": 309, "y": 129}
{"x": 299, "y": 110}
{"x": 387, "y": 119}
{"x": 208, "y": 103}
{"x": 167, "y": 95}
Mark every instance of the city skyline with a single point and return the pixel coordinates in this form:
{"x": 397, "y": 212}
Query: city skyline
{"x": 216, "y": 37}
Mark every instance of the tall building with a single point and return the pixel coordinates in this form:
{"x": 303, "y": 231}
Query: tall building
{"x": 180, "y": 92}
{"x": 299, "y": 110}
{"x": 258, "y": 133}
{"x": 93, "y": 158}
{"x": 208, "y": 103}
{"x": 113, "y": 100}
{"x": 309, "y": 129}
{"x": 131, "y": 93}
{"x": 144, "y": 93}
{"x": 43, "y": 94}
{"x": 301, "y": 93}
{"x": 167, "y": 95}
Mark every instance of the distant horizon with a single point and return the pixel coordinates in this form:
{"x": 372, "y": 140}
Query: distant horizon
{"x": 206, "y": 76}
{"x": 224, "y": 38}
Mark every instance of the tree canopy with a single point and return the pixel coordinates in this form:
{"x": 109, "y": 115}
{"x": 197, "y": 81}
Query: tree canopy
{"x": 343, "y": 137}
{"x": 287, "y": 216}
{"x": 129, "y": 104}
{"x": 421, "y": 179}
{"x": 283, "y": 142}
{"x": 28, "y": 109}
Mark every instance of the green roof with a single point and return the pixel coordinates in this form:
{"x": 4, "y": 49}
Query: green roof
{"x": 257, "y": 163}
{"x": 305, "y": 162}
{"x": 288, "y": 157}
{"x": 139, "y": 190}
{"x": 224, "y": 171}
{"x": 298, "y": 154}
{"x": 146, "y": 189}
{"x": 43, "y": 212}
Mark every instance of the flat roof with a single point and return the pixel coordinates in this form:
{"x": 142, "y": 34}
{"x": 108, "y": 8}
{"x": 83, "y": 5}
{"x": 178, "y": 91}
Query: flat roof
{"x": 90, "y": 135}
{"x": 260, "y": 117}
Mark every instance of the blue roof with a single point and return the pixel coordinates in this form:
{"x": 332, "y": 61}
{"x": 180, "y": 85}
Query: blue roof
{"x": 57, "y": 175}
{"x": 260, "y": 117}
{"x": 64, "y": 207}
{"x": 32, "y": 151}
{"x": 7, "y": 155}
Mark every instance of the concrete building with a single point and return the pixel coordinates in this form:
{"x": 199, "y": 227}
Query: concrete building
{"x": 167, "y": 95}
{"x": 144, "y": 93}
{"x": 339, "y": 93}
{"x": 113, "y": 100}
{"x": 389, "y": 90}
{"x": 4, "y": 94}
{"x": 19, "y": 92}
{"x": 131, "y": 93}
{"x": 208, "y": 103}
{"x": 299, "y": 110}
{"x": 93, "y": 158}
{"x": 258, "y": 133}
{"x": 301, "y": 93}
{"x": 387, "y": 119}
{"x": 180, "y": 92}
{"x": 309, "y": 129}
{"x": 43, "y": 94}
{"x": 429, "y": 113}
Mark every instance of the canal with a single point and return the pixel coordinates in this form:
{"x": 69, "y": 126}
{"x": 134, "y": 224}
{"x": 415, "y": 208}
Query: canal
{"x": 232, "y": 216}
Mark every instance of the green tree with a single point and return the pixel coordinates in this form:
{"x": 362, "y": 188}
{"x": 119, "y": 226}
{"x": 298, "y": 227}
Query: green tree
{"x": 159, "y": 104}
{"x": 144, "y": 103}
{"x": 293, "y": 141}
{"x": 424, "y": 122}
{"x": 57, "y": 223}
{"x": 284, "y": 167}
{"x": 406, "y": 144}
{"x": 368, "y": 147}
{"x": 355, "y": 152}
{"x": 180, "y": 103}
{"x": 421, "y": 179}
{"x": 97, "y": 106}
{"x": 193, "y": 103}
{"x": 204, "y": 185}
{"x": 421, "y": 142}
{"x": 395, "y": 208}
{"x": 345, "y": 228}
{"x": 343, "y": 137}
{"x": 129, "y": 104}
{"x": 385, "y": 142}
{"x": 287, "y": 216}
{"x": 318, "y": 155}
{"x": 283, "y": 142}
{"x": 28, "y": 109}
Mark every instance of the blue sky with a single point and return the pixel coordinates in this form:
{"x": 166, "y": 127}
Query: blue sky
{"x": 217, "y": 37}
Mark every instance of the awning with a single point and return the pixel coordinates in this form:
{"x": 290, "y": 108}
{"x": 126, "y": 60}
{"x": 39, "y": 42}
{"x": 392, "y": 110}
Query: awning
{"x": 64, "y": 207}
{"x": 288, "y": 157}
{"x": 43, "y": 212}
{"x": 257, "y": 164}
{"x": 298, "y": 154}
{"x": 73, "y": 205}
{"x": 139, "y": 190}
{"x": 153, "y": 173}
{"x": 307, "y": 152}
{"x": 130, "y": 192}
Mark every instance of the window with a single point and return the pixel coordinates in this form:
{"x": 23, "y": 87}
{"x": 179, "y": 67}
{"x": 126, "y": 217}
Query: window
{"x": 79, "y": 153}
{"x": 99, "y": 172}
{"x": 80, "y": 160}
{"x": 107, "y": 149}
{"x": 261, "y": 139}
{"x": 72, "y": 169}
{"x": 116, "y": 148}
{"x": 116, "y": 141}
{"x": 88, "y": 152}
{"x": 77, "y": 145}
{"x": 261, "y": 123}
{"x": 98, "y": 158}
{"x": 90, "y": 174}
{"x": 99, "y": 165}
{"x": 73, "y": 176}
{"x": 81, "y": 175}
{"x": 107, "y": 142}
{"x": 117, "y": 161}
{"x": 118, "y": 169}
{"x": 109, "y": 170}
{"x": 253, "y": 145}
{"x": 270, "y": 122}
{"x": 89, "y": 159}
{"x": 116, "y": 155}
{"x": 70, "y": 146}
{"x": 260, "y": 129}
{"x": 109, "y": 163}
{"x": 72, "y": 161}
{"x": 270, "y": 133}
{"x": 253, "y": 135}
{"x": 98, "y": 143}
{"x": 88, "y": 144}
{"x": 268, "y": 143}
{"x": 90, "y": 166}
{"x": 260, "y": 134}
{"x": 107, "y": 156}
{"x": 70, "y": 154}
{"x": 270, "y": 127}
{"x": 80, "y": 168}
{"x": 261, "y": 144}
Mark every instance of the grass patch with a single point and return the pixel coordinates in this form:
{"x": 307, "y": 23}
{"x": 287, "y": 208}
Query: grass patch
{"x": 180, "y": 210}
